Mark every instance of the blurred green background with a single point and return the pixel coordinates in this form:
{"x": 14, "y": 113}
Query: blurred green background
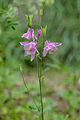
{"x": 62, "y": 82}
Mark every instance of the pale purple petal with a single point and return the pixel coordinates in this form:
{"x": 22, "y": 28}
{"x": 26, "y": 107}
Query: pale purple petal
{"x": 24, "y": 35}
{"x": 57, "y": 44}
{"x": 33, "y": 35}
{"x": 32, "y": 57}
{"x": 47, "y": 42}
{"x": 40, "y": 33}
{"x": 37, "y": 51}
{"x": 24, "y": 43}
{"x": 27, "y": 35}
{"x": 45, "y": 52}
{"x": 53, "y": 50}
{"x": 25, "y": 53}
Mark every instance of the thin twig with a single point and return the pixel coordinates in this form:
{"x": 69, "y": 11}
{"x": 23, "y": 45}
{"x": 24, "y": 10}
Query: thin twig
{"x": 28, "y": 91}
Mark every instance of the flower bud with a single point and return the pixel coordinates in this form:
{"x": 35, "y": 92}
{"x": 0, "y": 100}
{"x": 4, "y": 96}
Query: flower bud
{"x": 29, "y": 18}
{"x": 44, "y": 30}
{"x": 40, "y": 33}
{"x": 41, "y": 12}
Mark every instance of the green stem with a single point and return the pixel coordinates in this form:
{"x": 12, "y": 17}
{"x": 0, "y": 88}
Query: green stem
{"x": 40, "y": 21}
{"x": 41, "y": 98}
{"x": 43, "y": 41}
{"x": 40, "y": 87}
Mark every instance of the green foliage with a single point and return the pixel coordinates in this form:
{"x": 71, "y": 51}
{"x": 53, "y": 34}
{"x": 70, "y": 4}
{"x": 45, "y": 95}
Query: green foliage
{"x": 61, "y": 17}
{"x": 63, "y": 20}
{"x": 63, "y": 26}
{"x": 16, "y": 104}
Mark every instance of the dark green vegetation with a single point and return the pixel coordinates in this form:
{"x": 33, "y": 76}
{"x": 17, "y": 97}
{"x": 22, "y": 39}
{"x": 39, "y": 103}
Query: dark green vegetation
{"x": 61, "y": 96}
{"x": 62, "y": 89}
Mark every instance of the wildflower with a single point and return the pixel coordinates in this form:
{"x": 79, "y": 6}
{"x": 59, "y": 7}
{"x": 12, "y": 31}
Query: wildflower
{"x": 50, "y": 47}
{"x": 30, "y": 49}
{"x": 40, "y": 33}
{"x": 33, "y": 35}
{"x": 30, "y": 34}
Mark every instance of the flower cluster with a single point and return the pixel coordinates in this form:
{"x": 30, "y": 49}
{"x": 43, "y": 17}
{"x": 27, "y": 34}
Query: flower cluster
{"x": 31, "y": 47}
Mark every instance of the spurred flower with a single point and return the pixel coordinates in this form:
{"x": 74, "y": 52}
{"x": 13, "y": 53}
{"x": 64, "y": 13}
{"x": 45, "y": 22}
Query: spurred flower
{"x": 30, "y": 49}
{"x": 30, "y": 34}
{"x": 50, "y": 47}
{"x": 40, "y": 33}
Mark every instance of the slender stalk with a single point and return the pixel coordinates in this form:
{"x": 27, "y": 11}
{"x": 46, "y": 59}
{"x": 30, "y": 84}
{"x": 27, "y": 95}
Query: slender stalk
{"x": 41, "y": 98}
{"x": 28, "y": 90}
{"x": 40, "y": 21}
{"x": 43, "y": 41}
{"x": 40, "y": 87}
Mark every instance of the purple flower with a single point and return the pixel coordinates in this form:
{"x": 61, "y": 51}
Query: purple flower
{"x": 30, "y": 49}
{"x": 40, "y": 33}
{"x": 27, "y": 35}
{"x": 50, "y": 47}
{"x": 30, "y": 34}
{"x": 33, "y": 35}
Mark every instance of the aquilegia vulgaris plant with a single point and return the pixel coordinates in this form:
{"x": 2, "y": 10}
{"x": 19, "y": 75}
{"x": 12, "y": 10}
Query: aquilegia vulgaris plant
{"x": 31, "y": 48}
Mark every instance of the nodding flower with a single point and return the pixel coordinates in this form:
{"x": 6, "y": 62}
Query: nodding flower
{"x": 50, "y": 47}
{"x": 30, "y": 49}
{"x": 29, "y": 34}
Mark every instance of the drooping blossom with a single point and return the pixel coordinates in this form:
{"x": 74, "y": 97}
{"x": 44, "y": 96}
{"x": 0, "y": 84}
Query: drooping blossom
{"x": 50, "y": 47}
{"x": 40, "y": 33}
{"x": 30, "y": 34}
{"x": 33, "y": 35}
{"x": 30, "y": 49}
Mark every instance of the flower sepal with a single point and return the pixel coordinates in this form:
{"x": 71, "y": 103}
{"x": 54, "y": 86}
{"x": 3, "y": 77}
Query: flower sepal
{"x": 38, "y": 55}
{"x": 29, "y": 18}
{"x": 44, "y": 30}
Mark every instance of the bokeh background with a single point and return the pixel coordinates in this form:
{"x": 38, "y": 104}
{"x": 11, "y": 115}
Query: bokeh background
{"x": 61, "y": 74}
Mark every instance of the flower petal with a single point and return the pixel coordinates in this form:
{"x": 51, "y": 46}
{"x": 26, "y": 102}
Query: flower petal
{"x": 24, "y": 43}
{"x": 40, "y": 33}
{"x": 25, "y": 53}
{"x": 32, "y": 57}
{"x": 57, "y": 44}
{"x": 45, "y": 52}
